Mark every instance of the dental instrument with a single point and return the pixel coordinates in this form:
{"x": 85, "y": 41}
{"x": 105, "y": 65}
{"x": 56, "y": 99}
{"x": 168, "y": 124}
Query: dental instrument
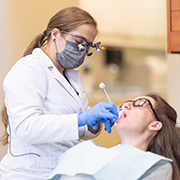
{"x": 102, "y": 86}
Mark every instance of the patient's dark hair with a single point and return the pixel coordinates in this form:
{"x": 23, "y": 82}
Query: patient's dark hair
{"x": 167, "y": 141}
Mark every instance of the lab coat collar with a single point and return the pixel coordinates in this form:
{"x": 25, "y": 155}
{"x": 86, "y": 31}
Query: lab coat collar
{"x": 71, "y": 74}
{"x": 42, "y": 55}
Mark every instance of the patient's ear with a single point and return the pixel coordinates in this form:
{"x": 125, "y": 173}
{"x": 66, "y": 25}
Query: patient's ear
{"x": 155, "y": 126}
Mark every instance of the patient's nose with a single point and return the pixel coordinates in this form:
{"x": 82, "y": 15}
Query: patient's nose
{"x": 127, "y": 105}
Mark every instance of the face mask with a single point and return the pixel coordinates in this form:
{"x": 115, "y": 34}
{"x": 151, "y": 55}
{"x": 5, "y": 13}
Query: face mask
{"x": 70, "y": 57}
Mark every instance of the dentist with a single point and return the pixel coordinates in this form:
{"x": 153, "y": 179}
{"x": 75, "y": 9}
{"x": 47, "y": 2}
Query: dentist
{"x": 46, "y": 110}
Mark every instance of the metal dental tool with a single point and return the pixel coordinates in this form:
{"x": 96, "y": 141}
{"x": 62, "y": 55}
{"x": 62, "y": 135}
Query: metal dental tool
{"x": 102, "y": 86}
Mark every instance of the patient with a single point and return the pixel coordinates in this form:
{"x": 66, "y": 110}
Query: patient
{"x": 146, "y": 123}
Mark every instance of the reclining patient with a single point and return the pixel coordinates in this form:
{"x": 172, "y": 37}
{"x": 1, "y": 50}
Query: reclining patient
{"x": 149, "y": 149}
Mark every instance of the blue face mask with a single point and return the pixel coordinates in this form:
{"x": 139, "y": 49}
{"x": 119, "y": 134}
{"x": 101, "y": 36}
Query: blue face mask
{"x": 71, "y": 57}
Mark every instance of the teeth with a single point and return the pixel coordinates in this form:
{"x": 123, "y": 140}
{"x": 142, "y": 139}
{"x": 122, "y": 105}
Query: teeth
{"x": 122, "y": 114}
{"x": 121, "y": 111}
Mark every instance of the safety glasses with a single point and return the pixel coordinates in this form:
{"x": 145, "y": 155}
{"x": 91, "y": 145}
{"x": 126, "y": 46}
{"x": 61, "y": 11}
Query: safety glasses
{"x": 83, "y": 42}
{"x": 141, "y": 103}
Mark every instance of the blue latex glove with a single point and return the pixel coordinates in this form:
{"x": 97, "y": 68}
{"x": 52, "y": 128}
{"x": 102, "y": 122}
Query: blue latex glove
{"x": 104, "y": 112}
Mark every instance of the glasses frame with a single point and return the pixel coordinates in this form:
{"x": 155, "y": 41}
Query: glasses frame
{"x": 96, "y": 45}
{"x": 145, "y": 100}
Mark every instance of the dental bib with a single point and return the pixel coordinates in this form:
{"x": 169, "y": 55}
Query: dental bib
{"x": 90, "y": 160}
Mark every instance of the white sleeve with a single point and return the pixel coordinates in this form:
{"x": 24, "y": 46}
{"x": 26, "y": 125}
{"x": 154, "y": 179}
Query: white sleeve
{"x": 85, "y": 134}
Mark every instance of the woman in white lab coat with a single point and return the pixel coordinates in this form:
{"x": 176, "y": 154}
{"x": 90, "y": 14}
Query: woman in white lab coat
{"x": 46, "y": 109}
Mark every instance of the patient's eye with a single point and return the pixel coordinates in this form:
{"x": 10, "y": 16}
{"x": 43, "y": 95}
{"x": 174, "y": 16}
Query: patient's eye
{"x": 139, "y": 102}
{"x": 145, "y": 105}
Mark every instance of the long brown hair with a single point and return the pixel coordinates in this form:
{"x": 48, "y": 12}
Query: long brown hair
{"x": 4, "y": 117}
{"x": 167, "y": 140}
{"x": 66, "y": 19}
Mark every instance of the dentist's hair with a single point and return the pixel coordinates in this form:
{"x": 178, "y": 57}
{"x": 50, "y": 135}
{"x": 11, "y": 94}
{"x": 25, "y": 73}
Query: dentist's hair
{"x": 66, "y": 19}
{"x": 4, "y": 117}
{"x": 167, "y": 141}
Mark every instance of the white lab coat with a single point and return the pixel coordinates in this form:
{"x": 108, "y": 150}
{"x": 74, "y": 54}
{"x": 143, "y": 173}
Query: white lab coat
{"x": 42, "y": 107}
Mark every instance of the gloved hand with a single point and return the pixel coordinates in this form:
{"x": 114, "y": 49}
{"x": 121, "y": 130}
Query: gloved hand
{"x": 104, "y": 112}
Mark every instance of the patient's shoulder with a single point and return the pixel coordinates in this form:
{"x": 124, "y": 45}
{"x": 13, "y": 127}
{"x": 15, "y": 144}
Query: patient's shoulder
{"x": 161, "y": 170}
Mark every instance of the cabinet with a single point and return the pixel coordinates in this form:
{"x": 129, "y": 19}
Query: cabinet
{"x": 173, "y": 26}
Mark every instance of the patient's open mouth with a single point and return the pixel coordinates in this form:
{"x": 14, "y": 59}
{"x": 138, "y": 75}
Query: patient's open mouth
{"x": 122, "y": 114}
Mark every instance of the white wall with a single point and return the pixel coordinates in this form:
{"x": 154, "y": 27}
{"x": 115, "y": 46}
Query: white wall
{"x": 4, "y": 59}
{"x": 130, "y": 23}
{"x": 173, "y": 87}
{"x": 140, "y": 24}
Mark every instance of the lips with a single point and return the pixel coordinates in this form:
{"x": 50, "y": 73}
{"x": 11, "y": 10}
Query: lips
{"x": 122, "y": 115}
